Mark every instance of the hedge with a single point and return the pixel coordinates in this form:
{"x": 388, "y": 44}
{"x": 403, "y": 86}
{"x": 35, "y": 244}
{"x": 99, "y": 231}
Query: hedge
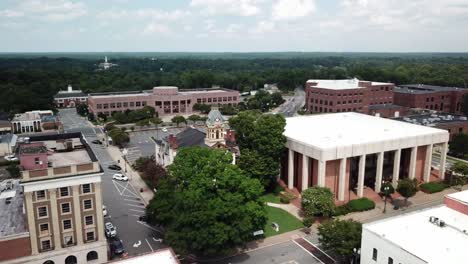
{"x": 358, "y": 205}
{"x": 433, "y": 187}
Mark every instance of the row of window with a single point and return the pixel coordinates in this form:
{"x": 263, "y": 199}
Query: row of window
{"x": 73, "y": 98}
{"x": 63, "y": 191}
{"x": 375, "y": 255}
{"x": 217, "y": 99}
{"x": 46, "y": 243}
{"x": 120, "y": 105}
{"x": 334, "y": 94}
{"x": 331, "y": 110}
{"x": 66, "y": 225}
{"x": 65, "y": 208}
{"x": 92, "y": 255}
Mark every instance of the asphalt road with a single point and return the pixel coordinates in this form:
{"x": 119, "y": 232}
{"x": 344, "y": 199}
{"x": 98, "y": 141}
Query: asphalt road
{"x": 123, "y": 202}
{"x": 292, "y": 104}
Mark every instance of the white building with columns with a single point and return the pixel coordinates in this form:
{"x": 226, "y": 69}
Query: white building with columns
{"x": 353, "y": 153}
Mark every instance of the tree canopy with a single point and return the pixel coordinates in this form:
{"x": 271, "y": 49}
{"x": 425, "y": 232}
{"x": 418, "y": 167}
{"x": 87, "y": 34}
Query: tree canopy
{"x": 340, "y": 236}
{"x": 407, "y": 188}
{"x": 206, "y": 204}
{"x": 459, "y": 145}
{"x": 261, "y": 142}
{"x": 318, "y": 201}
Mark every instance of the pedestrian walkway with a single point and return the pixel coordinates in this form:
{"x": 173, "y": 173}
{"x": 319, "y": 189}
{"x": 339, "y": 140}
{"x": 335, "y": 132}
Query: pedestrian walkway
{"x": 134, "y": 177}
{"x": 290, "y": 208}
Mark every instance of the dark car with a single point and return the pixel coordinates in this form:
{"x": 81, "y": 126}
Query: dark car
{"x": 97, "y": 141}
{"x": 114, "y": 167}
{"x": 116, "y": 246}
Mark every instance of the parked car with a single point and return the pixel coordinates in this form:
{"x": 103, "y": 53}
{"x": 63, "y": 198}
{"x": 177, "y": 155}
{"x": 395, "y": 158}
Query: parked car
{"x": 104, "y": 210}
{"x": 116, "y": 246}
{"x": 120, "y": 177}
{"x": 97, "y": 141}
{"x": 114, "y": 167}
{"x": 11, "y": 158}
{"x": 164, "y": 129}
{"x": 111, "y": 230}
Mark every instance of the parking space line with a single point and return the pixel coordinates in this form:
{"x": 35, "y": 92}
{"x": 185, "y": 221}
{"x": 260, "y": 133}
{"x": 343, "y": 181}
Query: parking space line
{"x": 133, "y": 201}
{"x": 149, "y": 245}
{"x": 138, "y": 206}
{"x": 135, "y": 210}
{"x": 307, "y": 251}
{"x": 150, "y": 227}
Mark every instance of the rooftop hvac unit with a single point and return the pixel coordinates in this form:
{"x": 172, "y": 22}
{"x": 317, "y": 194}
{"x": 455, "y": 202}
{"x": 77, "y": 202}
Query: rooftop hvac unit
{"x": 441, "y": 223}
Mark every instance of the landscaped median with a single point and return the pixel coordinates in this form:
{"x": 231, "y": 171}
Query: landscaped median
{"x": 433, "y": 187}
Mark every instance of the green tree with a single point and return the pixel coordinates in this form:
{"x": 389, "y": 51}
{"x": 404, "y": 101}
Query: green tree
{"x": 459, "y": 145}
{"x": 157, "y": 121}
{"x": 194, "y": 118}
{"x": 207, "y": 205}
{"x": 340, "y": 236}
{"x": 178, "y": 120}
{"x": 261, "y": 138}
{"x": 461, "y": 170}
{"x": 82, "y": 109}
{"x": 389, "y": 191}
{"x": 203, "y": 108}
{"x": 14, "y": 170}
{"x": 119, "y": 137}
{"x": 407, "y": 188}
{"x": 120, "y": 118}
{"x": 318, "y": 201}
{"x": 277, "y": 99}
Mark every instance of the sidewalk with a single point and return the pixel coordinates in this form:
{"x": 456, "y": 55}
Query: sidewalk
{"x": 290, "y": 208}
{"x": 134, "y": 178}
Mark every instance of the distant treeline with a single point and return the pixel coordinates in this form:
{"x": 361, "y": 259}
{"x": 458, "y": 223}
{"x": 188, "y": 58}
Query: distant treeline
{"x": 30, "y": 83}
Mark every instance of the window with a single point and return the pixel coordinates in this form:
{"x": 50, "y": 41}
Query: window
{"x": 143, "y": 103}
{"x": 65, "y": 208}
{"x": 125, "y": 104}
{"x": 40, "y": 195}
{"x": 390, "y": 260}
{"x": 374, "y": 254}
{"x": 44, "y": 229}
{"x": 64, "y": 192}
{"x": 90, "y": 236}
{"x": 105, "y": 106}
{"x": 132, "y": 104}
{"x": 37, "y": 161}
{"x": 89, "y": 220}
{"x": 45, "y": 245}
{"x": 112, "y": 105}
{"x": 92, "y": 255}
{"x": 99, "y": 106}
{"x": 42, "y": 212}
{"x": 460, "y": 130}
{"x": 87, "y": 204}
{"x": 68, "y": 240}
{"x": 86, "y": 188}
{"x": 67, "y": 224}
{"x": 138, "y": 104}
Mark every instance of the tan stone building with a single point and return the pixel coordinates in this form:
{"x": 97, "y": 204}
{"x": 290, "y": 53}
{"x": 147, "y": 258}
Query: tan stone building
{"x": 54, "y": 213}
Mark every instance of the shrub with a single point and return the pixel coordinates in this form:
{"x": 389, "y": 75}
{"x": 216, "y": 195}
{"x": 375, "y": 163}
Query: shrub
{"x": 284, "y": 200}
{"x": 277, "y": 189}
{"x": 318, "y": 201}
{"x": 342, "y": 210}
{"x": 361, "y": 204}
{"x": 308, "y": 222}
{"x": 433, "y": 187}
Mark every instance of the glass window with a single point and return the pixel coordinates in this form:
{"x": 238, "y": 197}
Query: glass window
{"x": 89, "y": 236}
{"x": 125, "y": 104}
{"x": 132, "y": 104}
{"x": 45, "y": 244}
{"x": 44, "y": 228}
{"x": 138, "y": 104}
{"x": 86, "y": 188}
{"x": 40, "y": 195}
{"x": 87, "y": 204}
{"x": 64, "y": 192}
{"x": 65, "y": 208}
{"x": 374, "y": 254}
{"x": 89, "y": 220}
{"x": 42, "y": 211}
{"x": 119, "y": 105}
{"x": 67, "y": 224}
{"x": 390, "y": 260}
{"x": 68, "y": 240}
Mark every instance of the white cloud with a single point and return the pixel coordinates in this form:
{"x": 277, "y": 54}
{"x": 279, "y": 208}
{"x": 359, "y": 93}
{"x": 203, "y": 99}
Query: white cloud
{"x": 263, "y": 27}
{"x": 228, "y": 7}
{"x": 53, "y": 10}
{"x": 292, "y": 9}
{"x": 11, "y": 13}
{"x": 156, "y": 28}
{"x": 233, "y": 28}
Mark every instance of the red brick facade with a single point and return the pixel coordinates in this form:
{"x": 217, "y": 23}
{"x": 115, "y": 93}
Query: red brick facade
{"x": 15, "y": 248}
{"x": 444, "y": 101}
{"x": 329, "y": 100}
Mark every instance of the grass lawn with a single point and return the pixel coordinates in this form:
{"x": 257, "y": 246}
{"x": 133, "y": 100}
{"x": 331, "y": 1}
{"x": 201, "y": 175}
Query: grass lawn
{"x": 271, "y": 198}
{"x": 286, "y": 221}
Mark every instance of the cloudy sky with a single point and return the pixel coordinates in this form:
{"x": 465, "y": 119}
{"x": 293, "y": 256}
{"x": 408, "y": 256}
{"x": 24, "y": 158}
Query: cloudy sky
{"x": 234, "y": 25}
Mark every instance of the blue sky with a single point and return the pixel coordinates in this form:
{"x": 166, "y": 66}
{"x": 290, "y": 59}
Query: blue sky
{"x": 234, "y": 25}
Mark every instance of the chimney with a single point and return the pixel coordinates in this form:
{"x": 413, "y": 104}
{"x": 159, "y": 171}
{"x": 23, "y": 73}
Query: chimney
{"x": 70, "y": 89}
{"x": 172, "y": 141}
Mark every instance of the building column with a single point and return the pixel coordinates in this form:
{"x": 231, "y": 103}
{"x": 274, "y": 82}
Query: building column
{"x": 342, "y": 180}
{"x": 305, "y": 172}
{"x": 412, "y": 165}
{"x": 77, "y": 214}
{"x": 31, "y": 223}
{"x": 443, "y": 157}
{"x": 54, "y": 218}
{"x": 99, "y": 215}
{"x": 290, "y": 169}
{"x": 361, "y": 173}
{"x": 321, "y": 172}
{"x": 428, "y": 163}
{"x": 396, "y": 167}
{"x": 379, "y": 170}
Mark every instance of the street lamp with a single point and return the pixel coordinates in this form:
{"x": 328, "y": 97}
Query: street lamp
{"x": 125, "y": 152}
{"x": 356, "y": 255}
{"x": 386, "y": 189}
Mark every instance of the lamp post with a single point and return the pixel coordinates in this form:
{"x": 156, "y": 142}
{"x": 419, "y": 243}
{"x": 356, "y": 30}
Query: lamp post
{"x": 386, "y": 189}
{"x": 356, "y": 255}
{"x": 125, "y": 152}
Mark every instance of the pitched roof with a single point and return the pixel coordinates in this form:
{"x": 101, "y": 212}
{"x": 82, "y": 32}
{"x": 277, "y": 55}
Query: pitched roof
{"x": 190, "y": 137}
{"x": 214, "y": 116}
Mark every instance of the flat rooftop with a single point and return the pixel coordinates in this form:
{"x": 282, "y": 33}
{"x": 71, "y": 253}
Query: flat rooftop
{"x": 12, "y": 219}
{"x": 433, "y": 119}
{"x": 150, "y": 92}
{"x": 424, "y": 89}
{"x": 342, "y": 84}
{"x": 414, "y": 233}
{"x": 385, "y": 106}
{"x": 330, "y": 131}
{"x": 165, "y": 256}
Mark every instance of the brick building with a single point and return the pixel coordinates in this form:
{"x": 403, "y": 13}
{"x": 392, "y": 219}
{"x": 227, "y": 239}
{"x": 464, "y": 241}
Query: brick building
{"x": 352, "y": 95}
{"x": 352, "y": 153}
{"x": 454, "y": 124}
{"x": 70, "y": 98}
{"x": 444, "y": 99}
{"x": 166, "y": 100}
{"x": 53, "y": 214}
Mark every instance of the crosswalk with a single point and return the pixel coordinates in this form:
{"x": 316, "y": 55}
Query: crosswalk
{"x": 133, "y": 154}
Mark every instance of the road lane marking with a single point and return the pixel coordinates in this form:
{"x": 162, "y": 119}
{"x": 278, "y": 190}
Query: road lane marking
{"x": 149, "y": 245}
{"x": 150, "y": 227}
{"x": 308, "y": 252}
{"x": 138, "y": 206}
{"x": 134, "y": 201}
{"x": 135, "y": 210}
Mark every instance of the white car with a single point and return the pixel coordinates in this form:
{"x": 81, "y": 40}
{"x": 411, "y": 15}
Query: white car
{"x": 120, "y": 177}
{"x": 104, "y": 210}
{"x": 111, "y": 230}
{"x": 11, "y": 158}
{"x": 164, "y": 129}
